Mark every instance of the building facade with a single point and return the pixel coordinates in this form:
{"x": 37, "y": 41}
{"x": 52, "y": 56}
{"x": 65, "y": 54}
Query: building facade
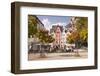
{"x": 59, "y": 35}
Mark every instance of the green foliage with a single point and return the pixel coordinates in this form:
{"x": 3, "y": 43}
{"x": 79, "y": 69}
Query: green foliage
{"x": 74, "y": 36}
{"x": 32, "y": 25}
{"x": 84, "y": 35}
{"x": 82, "y": 22}
{"x": 42, "y": 35}
{"x": 82, "y": 28}
{"x": 70, "y": 39}
{"x": 81, "y": 32}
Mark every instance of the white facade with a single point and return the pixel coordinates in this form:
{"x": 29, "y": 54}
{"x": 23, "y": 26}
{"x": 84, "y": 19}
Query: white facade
{"x": 63, "y": 39}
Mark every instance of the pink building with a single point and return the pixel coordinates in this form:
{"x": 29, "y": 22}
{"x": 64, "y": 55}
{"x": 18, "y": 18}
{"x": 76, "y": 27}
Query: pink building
{"x": 57, "y": 31}
{"x": 58, "y": 36}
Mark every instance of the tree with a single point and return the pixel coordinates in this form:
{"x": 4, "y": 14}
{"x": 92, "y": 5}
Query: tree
{"x": 81, "y": 32}
{"x": 82, "y": 28}
{"x": 41, "y": 34}
{"x": 74, "y": 36}
{"x": 32, "y": 25}
{"x": 44, "y": 37}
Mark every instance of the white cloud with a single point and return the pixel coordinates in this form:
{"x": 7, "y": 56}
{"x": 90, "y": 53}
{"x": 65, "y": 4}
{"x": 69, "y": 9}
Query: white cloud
{"x": 46, "y": 23}
{"x": 60, "y": 24}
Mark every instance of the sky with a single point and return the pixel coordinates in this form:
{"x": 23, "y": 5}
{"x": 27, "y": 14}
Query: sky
{"x": 48, "y": 21}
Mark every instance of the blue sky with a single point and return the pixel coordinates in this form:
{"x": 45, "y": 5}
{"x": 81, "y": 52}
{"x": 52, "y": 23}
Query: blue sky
{"x": 48, "y": 21}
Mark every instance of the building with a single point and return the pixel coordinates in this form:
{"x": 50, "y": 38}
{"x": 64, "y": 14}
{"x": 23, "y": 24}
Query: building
{"x": 40, "y": 25}
{"x": 33, "y": 40}
{"x": 63, "y": 38}
{"x": 59, "y": 34}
